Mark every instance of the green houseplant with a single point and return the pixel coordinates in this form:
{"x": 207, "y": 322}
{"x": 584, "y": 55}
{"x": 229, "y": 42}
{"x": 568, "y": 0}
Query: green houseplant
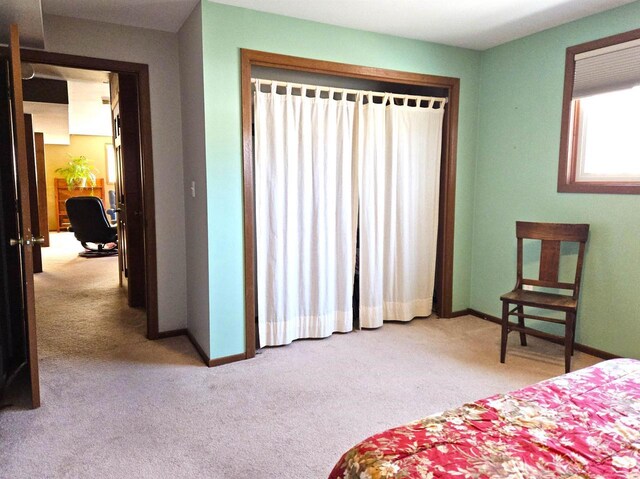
{"x": 78, "y": 172}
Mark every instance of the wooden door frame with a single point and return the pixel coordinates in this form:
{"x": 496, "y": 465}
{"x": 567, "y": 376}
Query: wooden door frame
{"x": 32, "y": 178}
{"x": 43, "y": 215}
{"x": 444, "y": 260}
{"x": 144, "y": 108}
{"x": 129, "y": 187}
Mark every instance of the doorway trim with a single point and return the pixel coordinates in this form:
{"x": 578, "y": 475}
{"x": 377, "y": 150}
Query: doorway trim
{"x": 444, "y": 256}
{"x": 144, "y": 109}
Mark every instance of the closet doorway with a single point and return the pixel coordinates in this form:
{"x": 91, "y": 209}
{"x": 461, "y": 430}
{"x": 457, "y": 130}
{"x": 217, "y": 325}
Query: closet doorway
{"x": 253, "y": 61}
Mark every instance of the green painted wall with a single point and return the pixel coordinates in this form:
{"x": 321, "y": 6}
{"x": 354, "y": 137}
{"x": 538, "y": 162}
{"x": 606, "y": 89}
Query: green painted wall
{"x": 519, "y": 137}
{"x": 226, "y": 30}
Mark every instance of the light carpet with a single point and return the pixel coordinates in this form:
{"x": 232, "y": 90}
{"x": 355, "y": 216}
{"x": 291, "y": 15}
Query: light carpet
{"x": 116, "y": 405}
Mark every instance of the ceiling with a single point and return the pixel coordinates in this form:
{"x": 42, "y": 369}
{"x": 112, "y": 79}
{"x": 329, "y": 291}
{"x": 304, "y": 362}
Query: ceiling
{"x": 86, "y": 113}
{"x": 55, "y": 72}
{"x": 51, "y": 119}
{"x": 167, "y": 15}
{"x": 464, "y": 23}
{"x": 27, "y": 14}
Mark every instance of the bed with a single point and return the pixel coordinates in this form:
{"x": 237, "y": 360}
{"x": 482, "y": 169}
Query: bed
{"x": 582, "y": 425}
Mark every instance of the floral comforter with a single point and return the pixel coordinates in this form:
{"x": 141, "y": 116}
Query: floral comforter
{"x": 583, "y": 425}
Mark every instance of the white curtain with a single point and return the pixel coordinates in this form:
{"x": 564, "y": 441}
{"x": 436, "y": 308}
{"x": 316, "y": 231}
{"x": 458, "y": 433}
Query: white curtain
{"x": 306, "y": 213}
{"x": 398, "y": 150}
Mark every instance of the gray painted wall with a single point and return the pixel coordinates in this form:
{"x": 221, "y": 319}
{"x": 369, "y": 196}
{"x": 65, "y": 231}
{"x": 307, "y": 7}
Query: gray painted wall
{"x": 160, "y": 51}
{"x": 193, "y": 148}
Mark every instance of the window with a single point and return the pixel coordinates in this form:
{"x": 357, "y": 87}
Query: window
{"x": 600, "y": 138}
{"x": 111, "y": 162}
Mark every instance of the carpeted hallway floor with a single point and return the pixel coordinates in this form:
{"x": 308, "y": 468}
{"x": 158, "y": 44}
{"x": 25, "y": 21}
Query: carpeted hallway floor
{"x": 80, "y": 308}
{"x": 115, "y": 405}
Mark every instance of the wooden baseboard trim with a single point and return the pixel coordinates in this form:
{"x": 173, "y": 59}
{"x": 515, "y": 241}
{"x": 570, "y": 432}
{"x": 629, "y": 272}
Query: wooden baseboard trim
{"x": 170, "y": 334}
{"x": 488, "y": 317}
{"x": 457, "y": 314}
{"x": 209, "y": 362}
{"x": 227, "y": 359}
{"x": 598, "y": 353}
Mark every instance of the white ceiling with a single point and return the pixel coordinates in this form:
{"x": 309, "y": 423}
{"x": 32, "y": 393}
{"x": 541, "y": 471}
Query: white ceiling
{"x": 84, "y": 115}
{"x": 465, "y": 23}
{"x": 27, "y": 14}
{"x": 51, "y": 119}
{"x": 55, "y": 72}
{"x": 88, "y": 115}
{"x": 166, "y": 15}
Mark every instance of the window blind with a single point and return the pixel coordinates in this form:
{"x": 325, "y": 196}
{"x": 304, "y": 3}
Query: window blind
{"x": 611, "y": 68}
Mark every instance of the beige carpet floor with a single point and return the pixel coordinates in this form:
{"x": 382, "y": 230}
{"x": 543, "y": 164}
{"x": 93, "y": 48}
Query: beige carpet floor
{"x": 80, "y": 307}
{"x": 115, "y": 405}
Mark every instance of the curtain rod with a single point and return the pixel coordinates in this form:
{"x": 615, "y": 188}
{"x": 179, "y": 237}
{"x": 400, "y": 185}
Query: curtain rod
{"x": 346, "y": 90}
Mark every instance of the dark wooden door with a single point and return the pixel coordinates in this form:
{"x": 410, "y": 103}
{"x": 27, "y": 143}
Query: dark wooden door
{"x": 19, "y": 345}
{"x": 13, "y": 333}
{"x": 129, "y": 199}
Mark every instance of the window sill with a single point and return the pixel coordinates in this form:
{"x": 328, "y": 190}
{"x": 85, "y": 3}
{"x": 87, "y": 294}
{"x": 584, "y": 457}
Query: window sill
{"x": 616, "y": 188}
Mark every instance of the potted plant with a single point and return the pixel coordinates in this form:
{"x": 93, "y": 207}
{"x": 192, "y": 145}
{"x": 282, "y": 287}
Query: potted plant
{"x": 78, "y": 172}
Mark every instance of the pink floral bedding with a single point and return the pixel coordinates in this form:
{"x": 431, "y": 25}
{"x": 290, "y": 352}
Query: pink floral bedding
{"x": 583, "y": 425}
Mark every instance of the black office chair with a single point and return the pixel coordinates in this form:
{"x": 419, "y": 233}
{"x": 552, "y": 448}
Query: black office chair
{"x": 89, "y": 224}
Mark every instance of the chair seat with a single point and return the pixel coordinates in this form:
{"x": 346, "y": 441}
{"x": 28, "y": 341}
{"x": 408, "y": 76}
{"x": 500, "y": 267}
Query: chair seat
{"x": 558, "y": 302}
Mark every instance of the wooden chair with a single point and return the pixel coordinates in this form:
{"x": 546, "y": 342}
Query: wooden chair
{"x": 551, "y": 235}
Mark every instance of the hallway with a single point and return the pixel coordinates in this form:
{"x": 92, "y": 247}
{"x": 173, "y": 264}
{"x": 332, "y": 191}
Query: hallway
{"x": 80, "y": 308}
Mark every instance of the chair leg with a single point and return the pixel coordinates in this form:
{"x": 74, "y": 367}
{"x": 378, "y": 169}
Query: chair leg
{"x": 568, "y": 340}
{"x": 573, "y": 335}
{"x": 505, "y": 331}
{"x": 523, "y": 337}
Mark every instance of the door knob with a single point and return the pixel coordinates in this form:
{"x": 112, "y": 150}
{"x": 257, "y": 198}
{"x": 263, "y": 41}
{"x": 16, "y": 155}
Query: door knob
{"x": 20, "y": 241}
{"x": 38, "y": 240}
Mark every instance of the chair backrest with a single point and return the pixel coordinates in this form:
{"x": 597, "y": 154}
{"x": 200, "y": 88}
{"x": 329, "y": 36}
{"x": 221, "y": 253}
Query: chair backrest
{"x": 89, "y": 221}
{"x": 551, "y": 235}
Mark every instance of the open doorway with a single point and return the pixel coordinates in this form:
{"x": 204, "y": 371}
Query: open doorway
{"x": 127, "y": 91}
{"x": 82, "y": 303}
{"x": 24, "y": 229}
{"x": 89, "y": 296}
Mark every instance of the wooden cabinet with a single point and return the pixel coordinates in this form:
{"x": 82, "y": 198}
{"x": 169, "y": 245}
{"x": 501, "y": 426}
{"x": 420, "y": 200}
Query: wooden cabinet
{"x": 63, "y": 193}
